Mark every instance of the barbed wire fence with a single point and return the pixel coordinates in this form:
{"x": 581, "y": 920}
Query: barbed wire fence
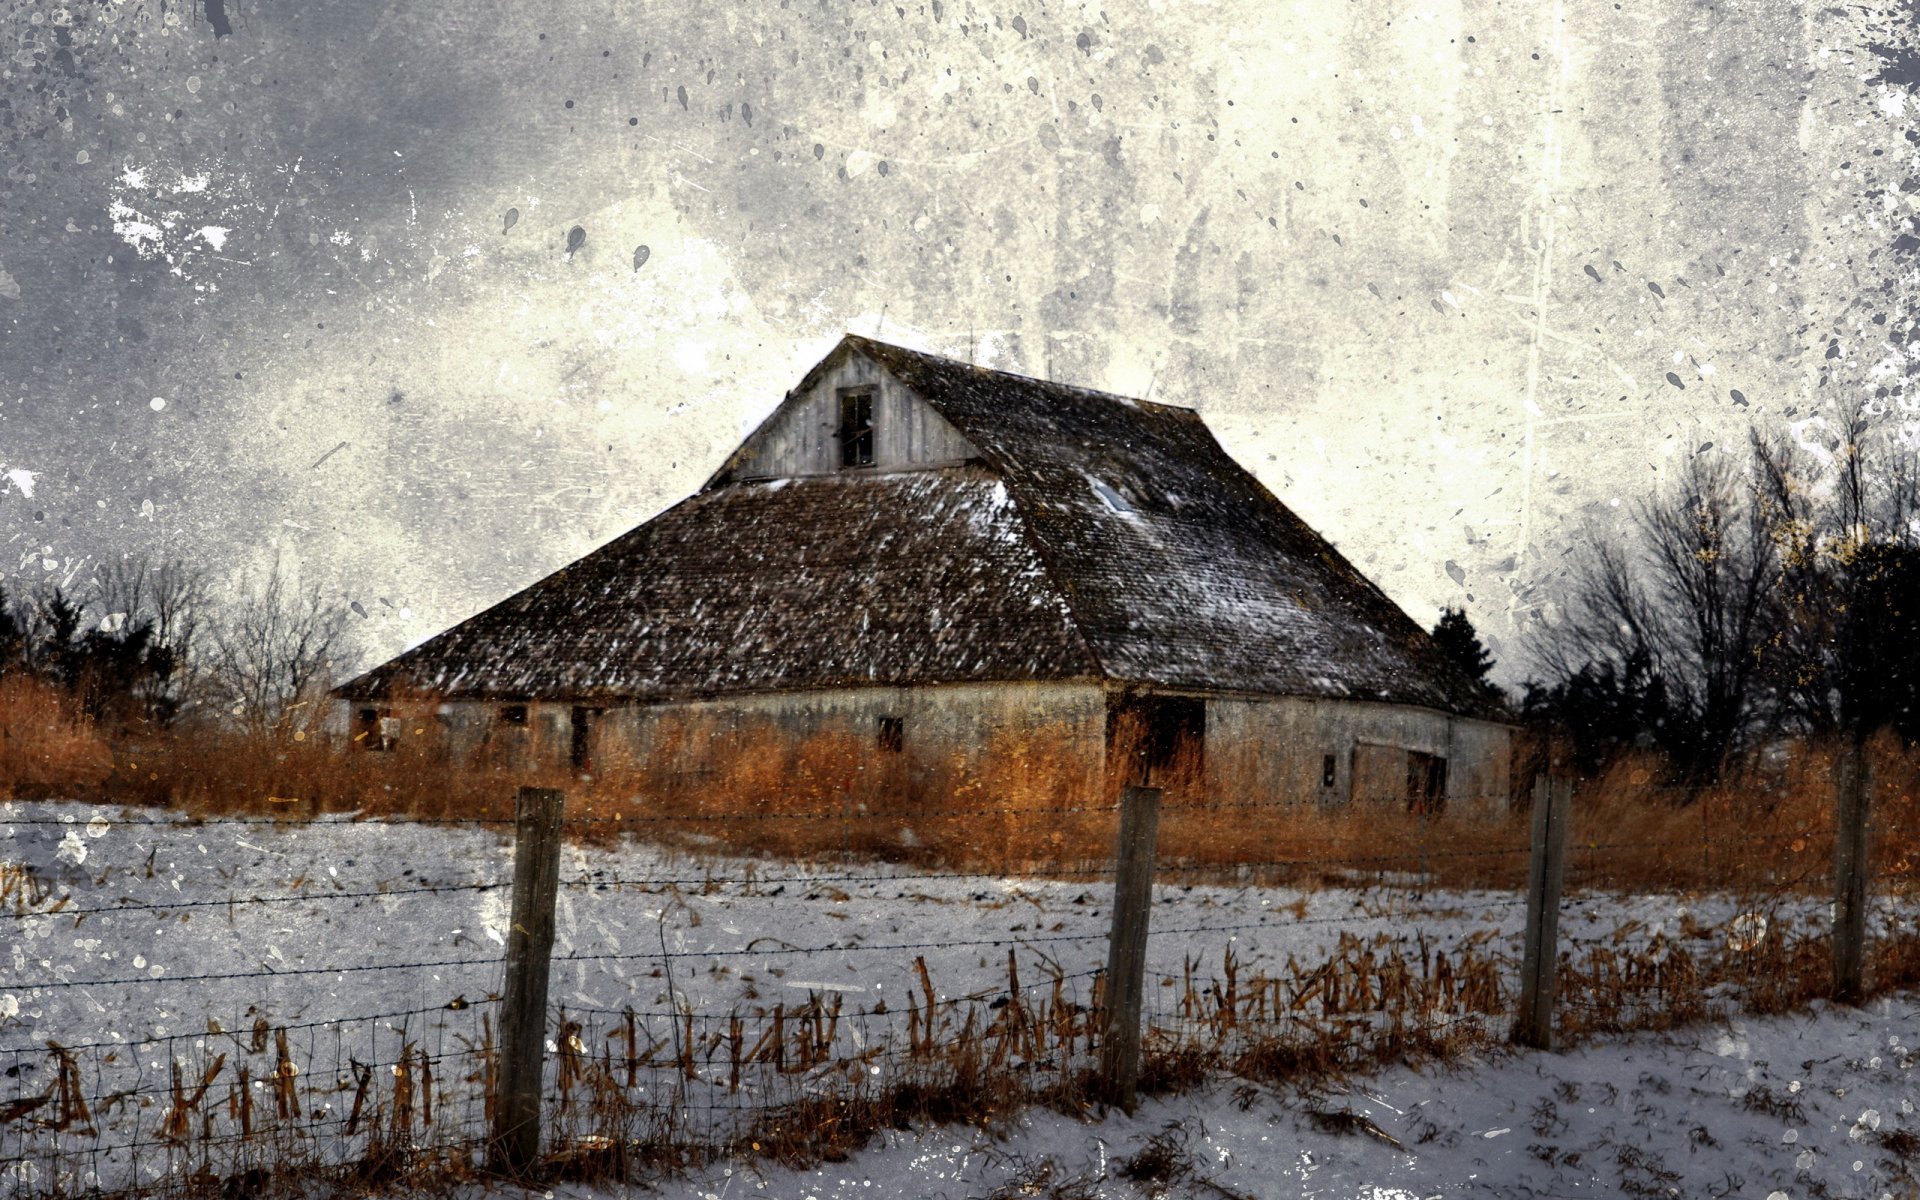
{"x": 1408, "y": 953}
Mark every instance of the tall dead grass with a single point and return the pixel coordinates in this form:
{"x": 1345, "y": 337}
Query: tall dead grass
{"x": 47, "y": 745}
{"x": 1033, "y": 798}
{"x": 1769, "y": 826}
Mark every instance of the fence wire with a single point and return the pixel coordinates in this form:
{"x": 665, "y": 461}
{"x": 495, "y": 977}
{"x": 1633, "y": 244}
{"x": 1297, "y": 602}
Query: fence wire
{"x": 723, "y": 1004}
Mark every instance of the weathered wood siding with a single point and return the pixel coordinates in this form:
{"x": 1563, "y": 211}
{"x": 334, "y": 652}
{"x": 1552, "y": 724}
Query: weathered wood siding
{"x": 803, "y": 437}
{"x": 1276, "y": 749}
{"x": 943, "y": 726}
{"x": 1257, "y": 749}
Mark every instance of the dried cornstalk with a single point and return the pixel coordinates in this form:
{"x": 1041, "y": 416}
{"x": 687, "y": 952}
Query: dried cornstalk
{"x": 286, "y": 1100}
{"x": 570, "y": 1048}
{"x": 686, "y": 1050}
{"x": 363, "y": 1079}
{"x": 243, "y": 1096}
{"x": 402, "y": 1115}
{"x": 71, "y": 1090}
{"x": 176, "y": 1124}
{"x": 633, "y": 1053}
{"x": 16, "y": 1109}
{"x": 426, "y": 1090}
{"x": 733, "y": 1043}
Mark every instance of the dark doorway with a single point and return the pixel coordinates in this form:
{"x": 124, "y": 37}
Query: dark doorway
{"x": 371, "y": 729}
{"x": 1155, "y": 741}
{"x": 580, "y": 744}
{"x": 1426, "y": 783}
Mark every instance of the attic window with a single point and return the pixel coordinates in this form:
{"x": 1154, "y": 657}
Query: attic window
{"x": 893, "y": 735}
{"x": 1113, "y": 499}
{"x": 856, "y": 427}
{"x": 513, "y": 714}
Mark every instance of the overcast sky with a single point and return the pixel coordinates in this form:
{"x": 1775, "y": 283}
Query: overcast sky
{"x": 1451, "y": 278}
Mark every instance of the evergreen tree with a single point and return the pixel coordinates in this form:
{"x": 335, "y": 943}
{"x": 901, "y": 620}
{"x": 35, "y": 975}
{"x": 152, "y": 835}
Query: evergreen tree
{"x": 1460, "y": 645}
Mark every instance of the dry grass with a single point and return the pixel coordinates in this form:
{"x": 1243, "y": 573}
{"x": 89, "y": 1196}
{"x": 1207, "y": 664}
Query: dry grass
{"x": 1033, "y": 798}
{"x": 47, "y": 748}
{"x": 1767, "y": 829}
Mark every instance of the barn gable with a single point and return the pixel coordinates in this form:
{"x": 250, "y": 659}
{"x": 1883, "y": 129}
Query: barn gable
{"x": 849, "y": 412}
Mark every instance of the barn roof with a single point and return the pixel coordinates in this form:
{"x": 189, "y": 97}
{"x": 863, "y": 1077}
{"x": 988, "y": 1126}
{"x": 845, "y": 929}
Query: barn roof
{"x": 1100, "y": 537}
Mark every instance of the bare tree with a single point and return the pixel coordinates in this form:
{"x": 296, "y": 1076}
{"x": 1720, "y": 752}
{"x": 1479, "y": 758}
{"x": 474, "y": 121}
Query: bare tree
{"x": 169, "y": 599}
{"x": 270, "y": 654}
{"x": 1686, "y": 599}
{"x": 1842, "y": 517}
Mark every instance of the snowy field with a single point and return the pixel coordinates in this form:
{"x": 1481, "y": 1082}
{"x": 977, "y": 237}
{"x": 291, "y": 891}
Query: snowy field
{"x": 1816, "y": 1105}
{"x": 167, "y": 956}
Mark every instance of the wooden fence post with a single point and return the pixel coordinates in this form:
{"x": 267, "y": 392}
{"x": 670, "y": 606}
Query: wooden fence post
{"x": 1533, "y": 1025}
{"x": 1127, "y": 945}
{"x": 1852, "y": 790}
{"x": 515, "y": 1143}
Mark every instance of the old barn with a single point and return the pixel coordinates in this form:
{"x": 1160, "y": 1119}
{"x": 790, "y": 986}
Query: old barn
{"x": 933, "y": 562}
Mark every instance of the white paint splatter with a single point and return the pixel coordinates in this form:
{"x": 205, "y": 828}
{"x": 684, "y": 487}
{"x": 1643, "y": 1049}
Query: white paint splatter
{"x": 146, "y": 238}
{"x": 23, "y": 479}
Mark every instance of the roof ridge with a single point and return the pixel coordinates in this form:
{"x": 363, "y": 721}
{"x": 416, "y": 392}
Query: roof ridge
{"x": 1056, "y": 577}
{"x": 860, "y": 341}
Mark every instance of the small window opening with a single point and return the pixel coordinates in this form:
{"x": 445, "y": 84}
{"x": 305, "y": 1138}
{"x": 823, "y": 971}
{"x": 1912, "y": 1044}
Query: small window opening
{"x": 1328, "y": 766}
{"x": 513, "y": 714}
{"x": 893, "y": 735}
{"x": 374, "y": 729}
{"x": 856, "y": 427}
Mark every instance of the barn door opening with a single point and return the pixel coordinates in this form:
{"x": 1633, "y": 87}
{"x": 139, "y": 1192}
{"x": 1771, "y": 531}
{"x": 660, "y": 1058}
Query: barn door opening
{"x": 1426, "y": 783}
{"x": 1157, "y": 741}
{"x": 581, "y": 739}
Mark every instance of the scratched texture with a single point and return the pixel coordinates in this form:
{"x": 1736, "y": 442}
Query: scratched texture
{"x": 434, "y": 297}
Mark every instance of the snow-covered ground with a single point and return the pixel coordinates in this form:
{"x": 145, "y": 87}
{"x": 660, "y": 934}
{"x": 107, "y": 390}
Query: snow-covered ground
{"x": 1819, "y": 1104}
{"x": 156, "y": 949}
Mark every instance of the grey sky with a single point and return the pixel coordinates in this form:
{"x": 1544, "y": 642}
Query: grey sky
{"x": 1451, "y": 278}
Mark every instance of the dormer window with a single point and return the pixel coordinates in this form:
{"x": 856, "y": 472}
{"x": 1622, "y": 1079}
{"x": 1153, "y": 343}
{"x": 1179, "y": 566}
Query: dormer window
{"x": 856, "y": 427}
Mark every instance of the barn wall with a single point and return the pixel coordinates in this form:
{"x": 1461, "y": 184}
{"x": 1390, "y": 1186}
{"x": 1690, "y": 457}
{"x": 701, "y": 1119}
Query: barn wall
{"x": 944, "y": 726}
{"x": 1276, "y": 747}
{"x": 465, "y": 730}
{"x": 802, "y": 439}
{"x": 1255, "y": 748}
{"x": 941, "y": 725}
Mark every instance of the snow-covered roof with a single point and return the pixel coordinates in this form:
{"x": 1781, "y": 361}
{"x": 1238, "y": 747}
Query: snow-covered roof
{"x": 1097, "y": 538}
